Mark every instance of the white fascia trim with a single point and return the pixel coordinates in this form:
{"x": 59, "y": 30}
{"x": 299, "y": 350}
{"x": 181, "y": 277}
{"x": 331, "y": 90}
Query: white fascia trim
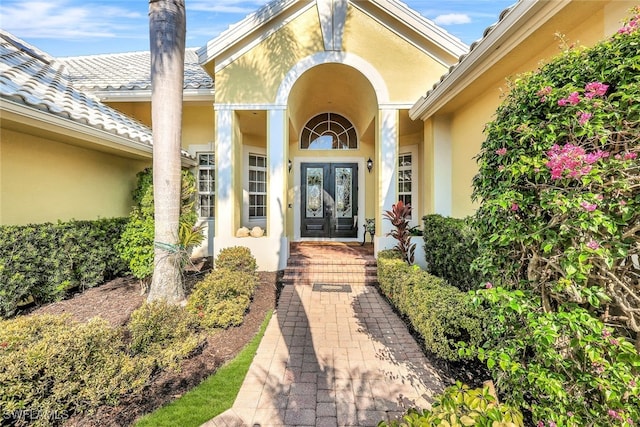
{"x": 521, "y": 21}
{"x": 256, "y": 41}
{"x": 395, "y": 106}
{"x": 425, "y": 27}
{"x": 145, "y": 95}
{"x": 224, "y": 107}
{"x": 238, "y": 30}
{"x": 82, "y": 131}
{"x": 248, "y": 25}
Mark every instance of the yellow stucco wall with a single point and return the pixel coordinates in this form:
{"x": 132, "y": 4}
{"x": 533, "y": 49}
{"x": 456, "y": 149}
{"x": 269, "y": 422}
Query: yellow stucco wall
{"x": 256, "y": 75}
{"x": 473, "y": 109}
{"x": 406, "y": 70}
{"x": 467, "y": 137}
{"x": 44, "y": 180}
{"x": 197, "y": 119}
{"x": 197, "y": 125}
{"x": 141, "y": 111}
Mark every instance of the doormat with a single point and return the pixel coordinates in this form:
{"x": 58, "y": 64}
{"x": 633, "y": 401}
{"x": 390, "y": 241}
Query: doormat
{"x": 330, "y": 287}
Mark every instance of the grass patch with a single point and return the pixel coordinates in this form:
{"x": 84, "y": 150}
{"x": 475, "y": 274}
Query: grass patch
{"x": 213, "y": 396}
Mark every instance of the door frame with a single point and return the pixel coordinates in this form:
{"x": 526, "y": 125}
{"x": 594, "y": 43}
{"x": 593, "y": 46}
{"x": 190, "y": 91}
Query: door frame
{"x": 295, "y": 210}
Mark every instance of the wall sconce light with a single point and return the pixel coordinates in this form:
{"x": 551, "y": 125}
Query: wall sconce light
{"x": 290, "y": 165}
{"x": 369, "y": 164}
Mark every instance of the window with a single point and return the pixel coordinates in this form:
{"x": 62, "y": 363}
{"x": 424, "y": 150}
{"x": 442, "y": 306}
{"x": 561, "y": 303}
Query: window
{"x": 257, "y": 186}
{"x": 329, "y": 131}
{"x": 405, "y": 178}
{"x": 206, "y": 185}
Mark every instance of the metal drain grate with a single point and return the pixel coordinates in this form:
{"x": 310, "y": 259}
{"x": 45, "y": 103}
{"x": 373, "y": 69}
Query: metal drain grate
{"x": 331, "y": 287}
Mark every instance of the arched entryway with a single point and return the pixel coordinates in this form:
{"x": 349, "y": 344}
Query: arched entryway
{"x": 332, "y": 110}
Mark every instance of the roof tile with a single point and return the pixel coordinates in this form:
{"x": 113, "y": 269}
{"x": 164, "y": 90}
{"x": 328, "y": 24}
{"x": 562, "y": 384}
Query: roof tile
{"x": 128, "y": 71}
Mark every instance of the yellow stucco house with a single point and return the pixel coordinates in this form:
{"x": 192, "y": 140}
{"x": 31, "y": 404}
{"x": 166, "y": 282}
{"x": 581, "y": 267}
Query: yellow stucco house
{"x": 304, "y": 119}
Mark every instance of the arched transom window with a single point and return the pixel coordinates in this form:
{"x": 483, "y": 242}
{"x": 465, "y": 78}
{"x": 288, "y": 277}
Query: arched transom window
{"x": 329, "y": 131}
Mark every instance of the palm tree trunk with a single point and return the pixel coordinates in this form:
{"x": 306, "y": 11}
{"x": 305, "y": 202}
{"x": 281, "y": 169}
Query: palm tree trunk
{"x": 167, "y": 28}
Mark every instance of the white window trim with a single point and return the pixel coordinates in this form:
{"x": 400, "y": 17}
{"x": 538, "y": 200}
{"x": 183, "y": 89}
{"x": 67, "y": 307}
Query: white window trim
{"x": 213, "y": 193}
{"x": 415, "y": 179}
{"x": 246, "y": 221}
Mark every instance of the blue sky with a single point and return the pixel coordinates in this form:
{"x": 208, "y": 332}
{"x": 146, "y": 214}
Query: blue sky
{"x": 85, "y": 27}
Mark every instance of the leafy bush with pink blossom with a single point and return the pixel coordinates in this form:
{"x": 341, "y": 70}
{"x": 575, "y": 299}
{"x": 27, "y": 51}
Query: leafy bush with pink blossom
{"x": 559, "y": 182}
{"x": 559, "y": 232}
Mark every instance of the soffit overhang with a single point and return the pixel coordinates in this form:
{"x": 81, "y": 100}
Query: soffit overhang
{"x": 22, "y": 118}
{"x": 488, "y": 57}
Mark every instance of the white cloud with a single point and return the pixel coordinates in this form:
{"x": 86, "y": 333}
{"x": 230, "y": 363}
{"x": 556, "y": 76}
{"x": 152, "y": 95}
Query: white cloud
{"x": 452, "y": 19}
{"x": 62, "y": 19}
{"x": 225, "y": 6}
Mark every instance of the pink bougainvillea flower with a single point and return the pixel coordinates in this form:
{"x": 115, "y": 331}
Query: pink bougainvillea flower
{"x": 501, "y": 151}
{"x": 592, "y": 244}
{"x": 540, "y": 424}
{"x": 605, "y": 333}
{"x": 591, "y": 158}
{"x": 501, "y": 168}
{"x": 571, "y": 160}
{"x": 514, "y": 207}
{"x": 631, "y": 26}
{"x": 552, "y": 424}
{"x": 488, "y": 285}
{"x": 562, "y": 102}
{"x": 623, "y": 203}
{"x": 630, "y": 156}
{"x": 544, "y": 91}
{"x": 589, "y": 207}
{"x": 574, "y": 98}
{"x": 594, "y": 89}
{"x": 584, "y": 117}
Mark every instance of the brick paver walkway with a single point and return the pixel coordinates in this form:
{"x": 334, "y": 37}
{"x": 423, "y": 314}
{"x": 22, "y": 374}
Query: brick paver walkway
{"x": 332, "y": 355}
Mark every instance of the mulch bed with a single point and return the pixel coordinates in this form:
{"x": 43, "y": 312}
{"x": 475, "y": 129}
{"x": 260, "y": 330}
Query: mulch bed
{"x": 116, "y": 300}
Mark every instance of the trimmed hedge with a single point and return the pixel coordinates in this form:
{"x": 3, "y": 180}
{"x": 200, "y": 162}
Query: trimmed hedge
{"x": 164, "y": 332}
{"x": 442, "y": 314}
{"x": 221, "y": 299}
{"x": 43, "y": 261}
{"x": 52, "y": 367}
{"x": 450, "y": 247}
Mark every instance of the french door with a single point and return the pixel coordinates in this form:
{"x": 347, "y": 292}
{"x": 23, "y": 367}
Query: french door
{"x": 329, "y": 205}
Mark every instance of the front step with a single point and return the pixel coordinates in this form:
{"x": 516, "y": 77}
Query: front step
{"x": 311, "y": 264}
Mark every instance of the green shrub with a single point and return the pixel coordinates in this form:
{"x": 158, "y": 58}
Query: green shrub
{"x": 559, "y": 181}
{"x": 450, "y": 248}
{"x": 440, "y": 313}
{"x": 559, "y": 185}
{"x": 221, "y": 299}
{"x": 460, "y": 406}
{"x": 163, "y": 332}
{"x": 52, "y": 367}
{"x": 42, "y": 261}
{"x": 236, "y": 258}
{"x": 136, "y": 245}
{"x": 565, "y": 366}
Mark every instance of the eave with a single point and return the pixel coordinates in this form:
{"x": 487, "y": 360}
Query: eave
{"x": 188, "y": 95}
{"x": 44, "y": 124}
{"x": 521, "y": 21}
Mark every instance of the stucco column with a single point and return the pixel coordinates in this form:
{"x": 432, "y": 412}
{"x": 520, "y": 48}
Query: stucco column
{"x": 442, "y": 166}
{"x": 225, "y": 206}
{"x": 387, "y": 162}
{"x": 277, "y": 166}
